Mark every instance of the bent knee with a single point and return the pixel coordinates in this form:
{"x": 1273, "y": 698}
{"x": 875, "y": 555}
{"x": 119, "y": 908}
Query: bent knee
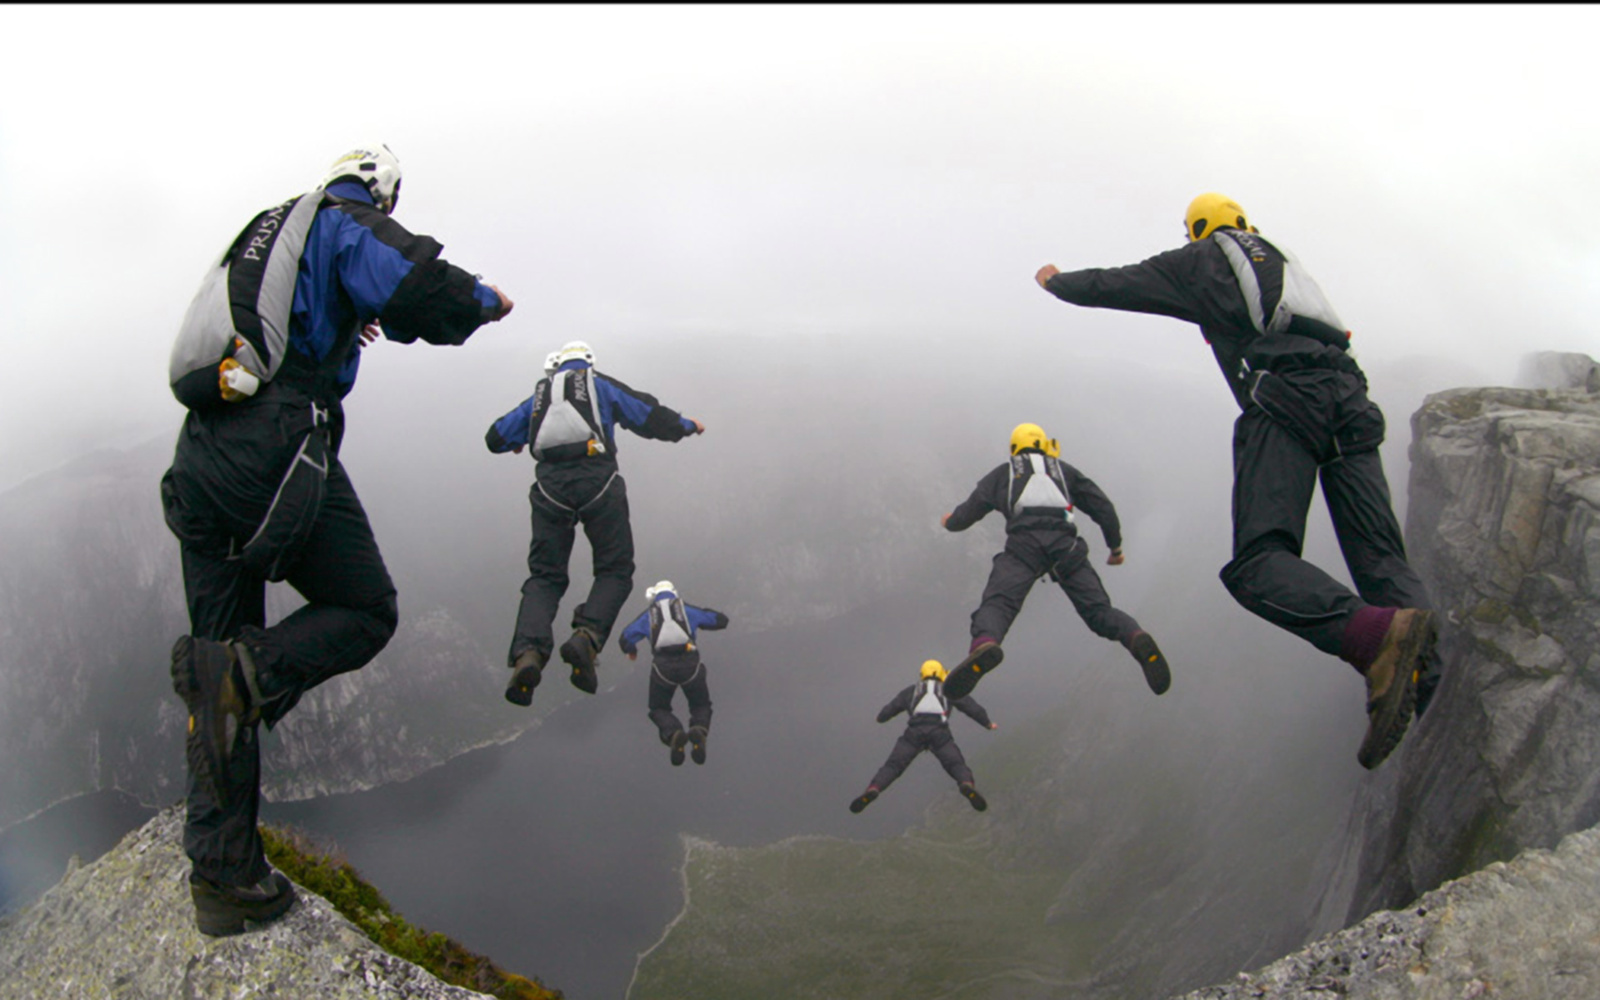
{"x": 380, "y": 619}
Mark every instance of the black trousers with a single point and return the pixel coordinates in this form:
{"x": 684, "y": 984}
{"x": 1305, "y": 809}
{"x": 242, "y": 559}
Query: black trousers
{"x": 919, "y": 736}
{"x": 1064, "y": 555}
{"x": 667, "y": 675}
{"x": 1304, "y": 428}
{"x": 592, "y": 494}
{"x": 350, "y": 615}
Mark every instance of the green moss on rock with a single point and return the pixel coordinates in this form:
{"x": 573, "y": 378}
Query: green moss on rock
{"x": 330, "y": 876}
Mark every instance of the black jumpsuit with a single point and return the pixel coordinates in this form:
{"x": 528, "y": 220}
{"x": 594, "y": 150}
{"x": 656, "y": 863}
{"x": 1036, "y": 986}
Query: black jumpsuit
{"x": 1040, "y": 544}
{"x": 224, "y": 477}
{"x": 1306, "y": 416}
{"x": 929, "y": 732}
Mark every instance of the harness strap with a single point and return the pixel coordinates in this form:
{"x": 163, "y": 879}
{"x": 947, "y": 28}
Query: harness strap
{"x": 577, "y": 510}
{"x": 655, "y": 668}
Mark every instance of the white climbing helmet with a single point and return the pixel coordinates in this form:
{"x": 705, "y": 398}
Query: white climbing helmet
{"x": 575, "y": 350}
{"x": 664, "y": 587}
{"x": 375, "y": 166}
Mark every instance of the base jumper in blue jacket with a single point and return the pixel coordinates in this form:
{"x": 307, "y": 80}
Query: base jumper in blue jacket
{"x": 672, "y": 626}
{"x": 568, "y": 425}
{"x": 927, "y": 709}
{"x": 263, "y": 464}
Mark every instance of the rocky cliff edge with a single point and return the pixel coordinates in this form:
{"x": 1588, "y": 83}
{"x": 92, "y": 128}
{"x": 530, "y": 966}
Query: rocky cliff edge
{"x": 123, "y": 927}
{"x": 1528, "y": 929}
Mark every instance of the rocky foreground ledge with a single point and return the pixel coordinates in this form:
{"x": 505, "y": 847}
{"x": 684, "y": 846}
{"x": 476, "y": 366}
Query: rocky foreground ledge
{"x": 1527, "y": 929}
{"x": 122, "y": 927}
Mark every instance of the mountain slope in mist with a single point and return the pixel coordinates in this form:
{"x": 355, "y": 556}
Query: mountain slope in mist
{"x": 1132, "y": 843}
{"x": 1182, "y": 851}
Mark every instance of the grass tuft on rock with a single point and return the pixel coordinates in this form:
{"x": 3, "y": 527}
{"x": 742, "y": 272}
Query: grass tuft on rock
{"x": 329, "y": 874}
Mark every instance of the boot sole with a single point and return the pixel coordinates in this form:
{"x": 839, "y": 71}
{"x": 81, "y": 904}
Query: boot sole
{"x": 583, "y": 675}
{"x": 1389, "y": 718}
{"x": 201, "y": 692}
{"x": 520, "y": 690}
{"x": 960, "y": 681}
{"x": 1156, "y": 672}
{"x": 976, "y": 798}
{"x": 861, "y": 801}
{"x": 678, "y": 740}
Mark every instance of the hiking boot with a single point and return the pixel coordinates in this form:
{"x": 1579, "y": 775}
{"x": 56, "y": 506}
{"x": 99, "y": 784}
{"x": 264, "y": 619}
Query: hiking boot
{"x": 206, "y": 675}
{"x": 525, "y": 674}
{"x": 863, "y": 800}
{"x": 679, "y": 740}
{"x": 580, "y": 652}
{"x": 971, "y": 792}
{"x": 697, "y": 743}
{"x": 1391, "y": 683}
{"x": 220, "y": 910}
{"x": 985, "y": 656}
{"x": 1144, "y": 649}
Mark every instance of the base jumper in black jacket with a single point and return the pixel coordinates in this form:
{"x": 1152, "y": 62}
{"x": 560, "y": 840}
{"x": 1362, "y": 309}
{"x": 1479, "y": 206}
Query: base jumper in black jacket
{"x": 1039, "y": 494}
{"x": 1305, "y": 417}
{"x": 927, "y": 728}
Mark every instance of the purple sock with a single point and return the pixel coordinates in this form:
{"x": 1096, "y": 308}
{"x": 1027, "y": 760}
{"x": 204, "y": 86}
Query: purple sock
{"x": 1364, "y": 635}
{"x": 980, "y": 640}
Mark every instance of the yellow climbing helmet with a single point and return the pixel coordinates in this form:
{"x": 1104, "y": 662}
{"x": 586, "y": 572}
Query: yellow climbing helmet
{"x": 1211, "y": 212}
{"x": 934, "y": 669}
{"x": 1032, "y": 436}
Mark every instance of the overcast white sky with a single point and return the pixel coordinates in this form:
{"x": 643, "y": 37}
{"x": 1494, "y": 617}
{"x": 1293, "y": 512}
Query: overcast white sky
{"x": 787, "y": 172}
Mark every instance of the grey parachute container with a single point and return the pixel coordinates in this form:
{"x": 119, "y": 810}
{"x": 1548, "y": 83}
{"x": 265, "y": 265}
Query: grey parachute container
{"x": 242, "y": 308}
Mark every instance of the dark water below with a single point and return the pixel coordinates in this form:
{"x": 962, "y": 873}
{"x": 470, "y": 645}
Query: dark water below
{"x": 557, "y": 854}
{"x": 34, "y": 855}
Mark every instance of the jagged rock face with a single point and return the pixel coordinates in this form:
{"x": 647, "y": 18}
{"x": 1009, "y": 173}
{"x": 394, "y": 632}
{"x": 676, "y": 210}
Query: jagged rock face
{"x": 1559, "y": 370}
{"x": 1524, "y": 930}
{"x": 124, "y": 926}
{"x": 1504, "y": 525}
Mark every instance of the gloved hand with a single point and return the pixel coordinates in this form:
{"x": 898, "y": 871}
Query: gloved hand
{"x": 236, "y": 381}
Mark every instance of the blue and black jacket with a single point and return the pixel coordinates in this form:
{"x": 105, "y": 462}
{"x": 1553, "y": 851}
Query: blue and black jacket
{"x": 360, "y": 265}
{"x": 699, "y": 618}
{"x": 638, "y": 411}
{"x": 357, "y": 265}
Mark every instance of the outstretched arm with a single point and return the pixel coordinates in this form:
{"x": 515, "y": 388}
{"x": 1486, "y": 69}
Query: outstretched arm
{"x": 988, "y": 495}
{"x": 900, "y": 703}
{"x": 399, "y": 278}
{"x": 1154, "y": 285}
{"x": 1092, "y": 500}
{"x": 974, "y": 711}
{"x": 510, "y": 432}
{"x": 705, "y": 618}
{"x": 641, "y": 413}
{"x": 636, "y": 632}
